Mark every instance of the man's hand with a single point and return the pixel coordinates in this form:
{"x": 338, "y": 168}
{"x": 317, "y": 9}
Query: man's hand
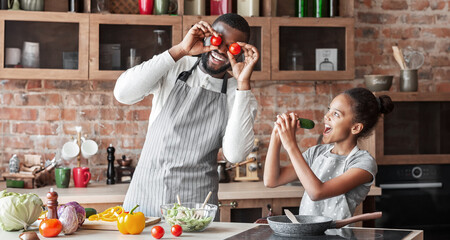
{"x": 242, "y": 71}
{"x": 192, "y": 43}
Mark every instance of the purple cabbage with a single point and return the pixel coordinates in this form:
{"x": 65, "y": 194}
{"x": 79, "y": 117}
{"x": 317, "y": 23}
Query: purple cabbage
{"x": 81, "y": 213}
{"x": 67, "y": 215}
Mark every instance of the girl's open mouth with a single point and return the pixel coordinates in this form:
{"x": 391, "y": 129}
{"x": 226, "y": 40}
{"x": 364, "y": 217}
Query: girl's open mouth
{"x": 327, "y": 129}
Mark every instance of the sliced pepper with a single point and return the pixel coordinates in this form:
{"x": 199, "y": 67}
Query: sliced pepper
{"x": 132, "y": 222}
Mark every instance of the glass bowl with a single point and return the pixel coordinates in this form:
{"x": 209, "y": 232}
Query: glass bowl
{"x": 190, "y": 216}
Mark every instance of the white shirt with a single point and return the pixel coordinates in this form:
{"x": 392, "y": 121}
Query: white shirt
{"x": 157, "y": 76}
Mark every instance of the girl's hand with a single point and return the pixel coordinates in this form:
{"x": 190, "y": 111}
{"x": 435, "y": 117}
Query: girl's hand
{"x": 242, "y": 71}
{"x": 286, "y": 126}
{"x": 193, "y": 42}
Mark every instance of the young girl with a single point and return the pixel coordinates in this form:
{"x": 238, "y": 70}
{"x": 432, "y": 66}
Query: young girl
{"x": 336, "y": 175}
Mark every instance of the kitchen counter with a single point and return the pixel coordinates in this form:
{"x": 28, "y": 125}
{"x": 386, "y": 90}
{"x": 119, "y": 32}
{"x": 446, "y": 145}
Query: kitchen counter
{"x": 102, "y": 193}
{"x": 217, "y": 230}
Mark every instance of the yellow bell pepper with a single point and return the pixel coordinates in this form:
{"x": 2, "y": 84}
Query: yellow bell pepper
{"x": 131, "y": 223}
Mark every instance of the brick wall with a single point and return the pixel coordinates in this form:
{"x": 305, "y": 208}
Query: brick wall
{"x": 39, "y": 116}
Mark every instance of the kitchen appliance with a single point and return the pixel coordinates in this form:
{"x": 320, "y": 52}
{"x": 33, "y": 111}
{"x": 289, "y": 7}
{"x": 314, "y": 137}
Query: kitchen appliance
{"x": 415, "y": 197}
{"x": 264, "y": 232}
{"x": 309, "y": 225}
{"x": 124, "y": 172}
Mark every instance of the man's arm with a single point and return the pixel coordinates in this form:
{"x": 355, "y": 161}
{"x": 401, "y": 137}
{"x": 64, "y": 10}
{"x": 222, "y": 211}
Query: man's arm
{"x": 239, "y": 135}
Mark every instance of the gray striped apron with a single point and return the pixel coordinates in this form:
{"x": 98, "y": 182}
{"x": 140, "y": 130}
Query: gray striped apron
{"x": 180, "y": 151}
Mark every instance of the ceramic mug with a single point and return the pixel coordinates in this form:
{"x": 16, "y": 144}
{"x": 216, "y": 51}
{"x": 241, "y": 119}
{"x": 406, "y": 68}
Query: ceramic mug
{"x": 89, "y": 148}
{"x": 81, "y": 176}
{"x": 146, "y": 6}
{"x": 62, "y": 177}
{"x": 70, "y": 151}
{"x": 30, "y": 55}
{"x": 12, "y": 56}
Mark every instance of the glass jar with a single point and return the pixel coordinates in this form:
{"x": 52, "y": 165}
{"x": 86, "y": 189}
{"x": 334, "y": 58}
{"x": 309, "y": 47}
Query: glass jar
{"x": 296, "y": 60}
{"x": 326, "y": 65}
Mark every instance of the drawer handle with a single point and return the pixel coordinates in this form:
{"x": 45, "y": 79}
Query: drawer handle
{"x": 232, "y": 204}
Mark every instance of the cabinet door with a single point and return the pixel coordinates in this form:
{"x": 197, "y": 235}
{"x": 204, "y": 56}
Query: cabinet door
{"x": 312, "y": 48}
{"x": 243, "y": 210}
{"x": 48, "y": 45}
{"x": 113, "y": 38}
{"x": 259, "y": 37}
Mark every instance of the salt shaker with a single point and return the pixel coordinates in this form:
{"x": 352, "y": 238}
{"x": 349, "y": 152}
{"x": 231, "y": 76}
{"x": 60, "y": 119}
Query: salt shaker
{"x": 14, "y": 164}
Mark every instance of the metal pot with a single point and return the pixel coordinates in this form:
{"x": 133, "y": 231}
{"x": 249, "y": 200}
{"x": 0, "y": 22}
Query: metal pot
{"x": 312, "y": 225}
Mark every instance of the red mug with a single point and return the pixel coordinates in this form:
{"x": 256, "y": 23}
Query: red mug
{"x": 146, "y": 6}
{"x": 81, "y": 176}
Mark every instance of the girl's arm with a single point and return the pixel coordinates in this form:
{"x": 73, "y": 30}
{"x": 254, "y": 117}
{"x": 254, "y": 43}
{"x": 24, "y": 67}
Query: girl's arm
{"x": 316, "y": 189}
{"x": 275, "y": 176}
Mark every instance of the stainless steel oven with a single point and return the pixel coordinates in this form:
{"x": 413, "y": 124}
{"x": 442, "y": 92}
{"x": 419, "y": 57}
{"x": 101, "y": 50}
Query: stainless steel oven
{"x": 415, "y": 197}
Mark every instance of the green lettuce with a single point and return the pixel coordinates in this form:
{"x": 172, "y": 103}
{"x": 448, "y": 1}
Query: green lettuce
{"x": 18, "y": 211}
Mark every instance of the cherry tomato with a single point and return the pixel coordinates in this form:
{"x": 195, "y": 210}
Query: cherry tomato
{"x": 50, "y": 227}
{"x": 157, "y": 232}
{"x": 176, "y": 230}
{"x": 216, "y": 41}
{"x": 235, "y": 49}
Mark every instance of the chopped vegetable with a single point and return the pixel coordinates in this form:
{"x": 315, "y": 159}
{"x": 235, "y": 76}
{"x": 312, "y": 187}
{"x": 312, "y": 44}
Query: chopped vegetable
{"x": 184, "y": 217}
{"x": 18, "y": 211}
{"x": 109, "y": 215}
{"x": 131, "y": 223}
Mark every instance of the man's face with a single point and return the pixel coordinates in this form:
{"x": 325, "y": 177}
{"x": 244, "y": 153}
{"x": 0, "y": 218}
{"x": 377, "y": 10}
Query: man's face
{"x": 216, "y": 61}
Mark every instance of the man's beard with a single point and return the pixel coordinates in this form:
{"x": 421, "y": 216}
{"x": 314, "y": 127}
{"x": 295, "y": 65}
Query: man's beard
{"x": 208, "y": 70}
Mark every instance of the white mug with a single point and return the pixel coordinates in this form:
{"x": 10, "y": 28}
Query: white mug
{"x": 12, "y": 56}
{"x": 89, "y": 148}
{"x": 70, "y": 151}
{"x": 30, "y": 55}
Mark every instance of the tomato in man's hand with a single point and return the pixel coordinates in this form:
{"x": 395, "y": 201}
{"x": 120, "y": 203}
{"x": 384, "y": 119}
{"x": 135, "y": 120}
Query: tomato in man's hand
{"x": 157, "y": 232}
{"x": 50, "y": 227}
{"x": 235, "y": 49}
{"x": 176, "y": 230}
{"x": 216, "y": 41}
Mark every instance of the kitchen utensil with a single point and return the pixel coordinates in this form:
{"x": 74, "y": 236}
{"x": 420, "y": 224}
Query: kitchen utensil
{"x": 312, "y": 225}
{"x": 112, "y": 226}
{"x": 414, "y": 59}
{"x": 178, "y": 199}
{"x": 199, "y": 213}
{"x": 291, "y": 216}
{"x": 377, "y": 83}
{"x": 32, "y": 5}
{"x": 184, "y": 215}
{"x": 224, "y": 177}
{"x": 399, "y": 57}
{"x": 409, "y": 80}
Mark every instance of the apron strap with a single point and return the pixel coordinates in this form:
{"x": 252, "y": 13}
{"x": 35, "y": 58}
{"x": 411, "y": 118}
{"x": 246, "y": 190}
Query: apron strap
{"x": 185, "y": 75}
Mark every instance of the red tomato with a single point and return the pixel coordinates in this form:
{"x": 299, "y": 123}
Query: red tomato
{"x": 176, "y": 230}
{"x": 157, "y": 232}
{"x": 50, "y": 227}
{"x": 216, "y": 41}
{"x": 235, "y": 49}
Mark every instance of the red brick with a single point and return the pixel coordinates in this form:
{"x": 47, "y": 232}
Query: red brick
{"x": 45, "y": 128}
{"x": 34, "y": 85}
{"x": 68, "y": 114}
{"x": 284, "y": 89}
{"x": 126, "y": 129}
{"x": 306, "y": 143}
{"x": 323, "y": 88}
{"x": 69, "y": 128}
{"x": 89, "y": 114}
{"x": 419, "y": 5}
{"x": 111, "y": 114}
{"x": 265, "y": 101}
{"x": 340, "y": 87}
{"x": 264, "y": 128}
{"x": 376, "y": 18}
{"x": 36, "y": 99}
{"x": 367, "y": 47}
{"x": 6, "y": 99}
{"x": 18, "y": 114}
{"x": 364, "y": 60}
{"x": 107, "y": 129}
{"x": 288, "y": 101}
{"x": 55, "y": 142}
{"x": 133, "y": 143}
{"x": 435, "y": 5}
{"x": 138, "y": 115}
{"x": 107, "y": 86}
{"x": 49, "y": 114}
{"x": 419, "y": 19}
{"x": 18, "y": 142}
{"x": 443, "y": 87}
{"x": 95, "y": 99}
{"x": 366, "y": 32}
{"x": 14, "y": 84}
{"x": 71, "y": 85}
{"x": 441, "y": 74}
{"x": 436, "y": 32}
{"x": 146, "y": 102}
{"x": 394, "y": 5}
{"x": 440, "y": 61}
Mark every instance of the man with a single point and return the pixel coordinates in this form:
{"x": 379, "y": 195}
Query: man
{"x": 196, "y": 109}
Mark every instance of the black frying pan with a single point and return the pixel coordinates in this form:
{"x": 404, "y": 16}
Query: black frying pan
{"x": 312, "y": 225}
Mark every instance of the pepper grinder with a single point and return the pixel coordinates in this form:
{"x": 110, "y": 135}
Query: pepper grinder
{"x": 110, "y": 174}
{"x": 52, "y": 204}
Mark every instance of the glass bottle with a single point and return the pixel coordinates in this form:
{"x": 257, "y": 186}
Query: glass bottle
{"x": 326, "y": 65}
{"x": 160, "y": 40}
{"x": 194, "y": 7}
{"x": 321, "y": 8}
{"x": 301, "y": 8}
{"x": 334, "y": 8}
{"x": 14, "y": 164}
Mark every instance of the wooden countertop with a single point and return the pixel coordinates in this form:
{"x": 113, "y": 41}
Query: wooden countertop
{"x": 102, "y": 193}
{"x": 217, "y": 230}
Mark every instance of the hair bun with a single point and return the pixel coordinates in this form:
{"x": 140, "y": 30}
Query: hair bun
{"x": 386, "y": 104}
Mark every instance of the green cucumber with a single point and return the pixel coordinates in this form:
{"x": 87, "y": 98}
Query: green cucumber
{"x": 90, "y": 211}
{"x": 306, "y": 123}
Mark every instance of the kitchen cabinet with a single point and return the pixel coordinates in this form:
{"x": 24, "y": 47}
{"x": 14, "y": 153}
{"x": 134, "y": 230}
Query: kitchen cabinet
{"x": 416, "y": 132}
{"x": 58, "y": 45}
{"x": 259, "y": 37}
{"x": 119, "y": 33}
{"x": 94, "y": 37}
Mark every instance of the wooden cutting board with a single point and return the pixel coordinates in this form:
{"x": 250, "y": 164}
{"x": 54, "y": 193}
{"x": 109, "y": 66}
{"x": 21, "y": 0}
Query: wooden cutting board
{"x": 112, "y": 226}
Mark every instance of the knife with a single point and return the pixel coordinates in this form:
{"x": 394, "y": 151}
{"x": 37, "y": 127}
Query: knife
{"x": 290, "y": 216}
